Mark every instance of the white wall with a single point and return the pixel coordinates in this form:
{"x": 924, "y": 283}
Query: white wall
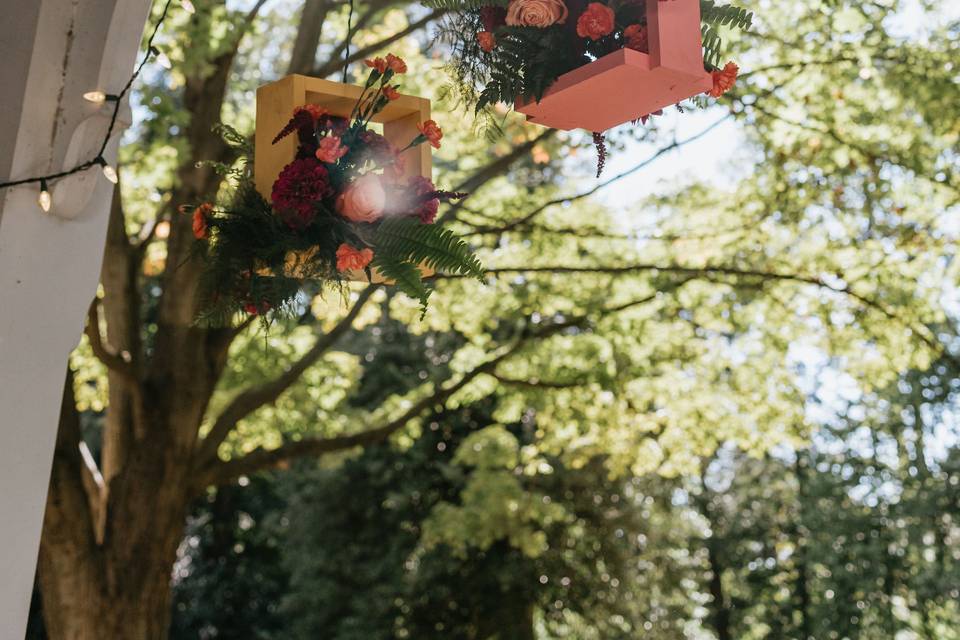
{"x": 52, "y": 51}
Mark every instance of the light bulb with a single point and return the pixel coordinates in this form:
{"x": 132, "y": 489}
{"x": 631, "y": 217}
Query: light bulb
{"x": 110, "y": 173}
{"x": 163, "y": 60}
{"x": 96, "y": 97}
{"x": 45, "y": 200}
{"x": 188, "y": 6}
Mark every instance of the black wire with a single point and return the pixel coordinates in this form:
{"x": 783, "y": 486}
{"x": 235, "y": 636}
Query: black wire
{"x": 346, "y": 51}
{"x": 117, "y": 103}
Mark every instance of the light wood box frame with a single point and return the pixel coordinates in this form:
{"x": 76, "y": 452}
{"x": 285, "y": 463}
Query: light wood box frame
{"x": 277, "y": 100}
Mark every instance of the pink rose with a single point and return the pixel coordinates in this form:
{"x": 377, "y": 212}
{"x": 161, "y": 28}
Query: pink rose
{"x": 364, "y": 199}
{"x": 536, "y": 13}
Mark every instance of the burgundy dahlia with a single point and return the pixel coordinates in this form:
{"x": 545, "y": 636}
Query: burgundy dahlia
{"x": 301, "y": 184}
{"x": 426, "y": 206}
{"x": 376, "y": 147}
{"x": 493, "y": 17}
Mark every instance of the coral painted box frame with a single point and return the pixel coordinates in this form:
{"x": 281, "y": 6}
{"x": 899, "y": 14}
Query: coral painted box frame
{"x": 626, "y": 84}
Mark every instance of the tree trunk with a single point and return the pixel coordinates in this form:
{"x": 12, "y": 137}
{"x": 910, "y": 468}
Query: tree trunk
{"x": 120, "y": 589}
{"x": 112, "y": 583}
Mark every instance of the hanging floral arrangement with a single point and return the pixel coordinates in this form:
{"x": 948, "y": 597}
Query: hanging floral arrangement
{"x": 342, "y": 209}
{"x": 580, "y": 64}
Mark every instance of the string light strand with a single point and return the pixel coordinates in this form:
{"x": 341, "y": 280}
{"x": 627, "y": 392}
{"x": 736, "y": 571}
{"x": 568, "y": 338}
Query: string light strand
{"x": 346, "y": 50}
{"x": 99, "y": 97}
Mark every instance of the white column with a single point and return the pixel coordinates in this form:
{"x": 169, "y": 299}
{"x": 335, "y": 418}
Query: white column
{"x": 52, "y": 51}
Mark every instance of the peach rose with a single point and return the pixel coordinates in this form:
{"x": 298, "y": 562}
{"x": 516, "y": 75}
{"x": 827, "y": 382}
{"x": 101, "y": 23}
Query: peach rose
{"x": 330, "y": 150}
{"x": 596, "y": 22}
{"x": 536, "y": 13}
{"x": 724, "y": 80}
{"x": 350, "y": 259}
{"x": 364, "y": 199}
{"x": 487, "y": 41}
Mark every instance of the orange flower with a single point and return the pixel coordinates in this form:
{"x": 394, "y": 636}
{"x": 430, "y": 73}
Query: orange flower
{"x": 635, "y": 37}
{"x": 391, "y": 92}
{"x": 396, "y": 64}
{"x": 431, "y": 132}
{"x": 349, "y": 259}
{"x": 724, "y": 80}
{"x": 377, "y": 63}
{"x": 200, "y": 230}
{"x": 596, "y": 22}
{"x": 315, "y": 111}
{"x": 330, "y": 150}
{"x": 487, "y": 41}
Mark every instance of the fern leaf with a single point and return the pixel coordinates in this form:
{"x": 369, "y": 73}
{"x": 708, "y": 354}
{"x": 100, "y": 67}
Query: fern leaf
{"x": 407, "y": 278}
{"x": 409, "y": 240}
{"x": 464, "y": 5}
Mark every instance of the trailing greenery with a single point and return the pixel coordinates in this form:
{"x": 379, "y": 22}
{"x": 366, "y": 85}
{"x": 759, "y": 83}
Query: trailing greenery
{"x": 464, "y": 5}
{"x": 714, "y": 16}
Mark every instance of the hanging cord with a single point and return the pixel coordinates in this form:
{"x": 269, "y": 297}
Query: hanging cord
{"x": 346, "y": 51}
{"x": 152, "y": 51}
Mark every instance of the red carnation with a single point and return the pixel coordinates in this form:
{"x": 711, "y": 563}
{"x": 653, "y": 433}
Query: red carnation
{"x": 432, "y": 132}
{"x": 487, "y": 41}
{"x": 257, "y": 309}
{"x": 353, "y": 259}
{"x": 596, "y": 22}
{"x": 200, "y": 227}
{"x": 426, "y": 209}
{"x": 636, "y": 37}
{"x": 724, "y": 80}
{"x": 301, "y": 184}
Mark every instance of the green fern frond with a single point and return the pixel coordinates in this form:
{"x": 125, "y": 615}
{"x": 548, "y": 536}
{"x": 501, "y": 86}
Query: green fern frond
{"x": 725, "y": 15}
{"x": 407, "y": 278}
{"x": 714, "y": 16}
{"x": 464, "y": 5}
{"x": 409, "y": 240}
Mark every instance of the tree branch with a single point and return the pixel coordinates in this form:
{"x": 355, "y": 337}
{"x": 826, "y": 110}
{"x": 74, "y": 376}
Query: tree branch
{"x": 119, "y": 362}
{"x": 263, "y": 459}
{"x": 335, "y": 65}
{"x": 496, "y": 168}
{"x": 527, "y": 217}
{"x": 924, "y": 332}
{"x": 305, "y": 45}
{"x": 253, "y": 398}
